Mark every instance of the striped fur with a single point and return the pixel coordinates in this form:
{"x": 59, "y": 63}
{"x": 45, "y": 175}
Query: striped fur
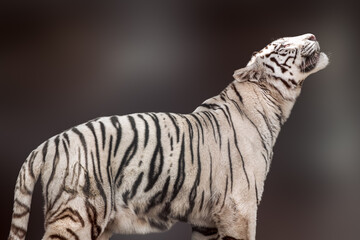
{"x": 141, "y": 173}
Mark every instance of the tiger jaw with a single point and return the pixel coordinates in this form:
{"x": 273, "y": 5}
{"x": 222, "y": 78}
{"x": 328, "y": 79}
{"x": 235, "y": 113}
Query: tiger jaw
{"x": 314, "y": 63}
{"x": 310, "y": 62}
{"x": 313, "y": 59}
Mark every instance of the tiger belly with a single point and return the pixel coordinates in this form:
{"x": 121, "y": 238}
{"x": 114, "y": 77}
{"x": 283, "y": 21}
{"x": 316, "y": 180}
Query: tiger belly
{"x": 126, "y": 221}
{"x": 136, "y": 218}
{"x": 161, "y": 184}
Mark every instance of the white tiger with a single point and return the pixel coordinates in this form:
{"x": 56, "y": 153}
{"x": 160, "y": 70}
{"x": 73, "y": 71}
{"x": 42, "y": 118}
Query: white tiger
{"x": 141, "y": 173}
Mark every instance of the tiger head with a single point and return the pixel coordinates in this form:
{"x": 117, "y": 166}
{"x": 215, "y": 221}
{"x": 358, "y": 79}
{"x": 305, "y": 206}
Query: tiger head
{"x": 285, "y": 63}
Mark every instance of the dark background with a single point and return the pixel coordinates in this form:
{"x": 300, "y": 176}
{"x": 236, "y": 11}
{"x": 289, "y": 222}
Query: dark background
{"x": 63, "y": 64}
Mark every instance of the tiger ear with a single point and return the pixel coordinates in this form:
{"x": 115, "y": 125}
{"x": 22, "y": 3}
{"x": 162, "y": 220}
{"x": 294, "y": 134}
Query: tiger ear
{"x": 240, "y": 74}
{"x": 252, "y": 72}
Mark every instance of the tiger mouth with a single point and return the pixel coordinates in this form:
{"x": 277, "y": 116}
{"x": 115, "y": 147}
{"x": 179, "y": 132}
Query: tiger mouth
{"x": 309, "y": 62}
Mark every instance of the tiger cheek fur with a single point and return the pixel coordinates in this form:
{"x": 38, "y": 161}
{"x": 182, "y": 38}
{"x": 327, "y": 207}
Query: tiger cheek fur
{"x": 142, "y": 173}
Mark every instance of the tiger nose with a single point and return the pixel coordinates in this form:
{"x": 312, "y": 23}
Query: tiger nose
{"x": 311, "y": 37}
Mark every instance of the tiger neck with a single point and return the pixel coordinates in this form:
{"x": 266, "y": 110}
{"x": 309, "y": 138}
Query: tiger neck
{"x": 256, "y": 102}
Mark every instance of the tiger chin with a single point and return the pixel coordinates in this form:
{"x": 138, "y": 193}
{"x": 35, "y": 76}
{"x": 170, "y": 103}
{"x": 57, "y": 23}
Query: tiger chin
{"x": 142, "y": 173}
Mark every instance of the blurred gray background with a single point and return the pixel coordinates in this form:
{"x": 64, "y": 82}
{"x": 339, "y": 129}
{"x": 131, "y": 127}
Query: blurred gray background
{"x": 63, "y": 64}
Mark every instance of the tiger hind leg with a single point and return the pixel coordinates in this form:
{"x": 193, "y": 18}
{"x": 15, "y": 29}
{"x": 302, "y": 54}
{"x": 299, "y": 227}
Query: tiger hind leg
{"x": 62, "y": 233}
{"x": 77, "y": 219}
{"x": 66, "y": 229}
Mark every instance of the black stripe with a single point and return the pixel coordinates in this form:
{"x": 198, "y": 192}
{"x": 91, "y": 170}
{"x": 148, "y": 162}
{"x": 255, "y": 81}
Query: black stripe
{"x": 57, "y": 236}
{"x": 22, "y": 205}
{"x": 171, "y": 143}
{"x": 45, "y": 149}
{"x": 73, "y": 234}
{"x": 74, "y": 169}
{"x": 136, "y": 185}
{"x": 99, "y": 185}
{"x": 92, "y": 216}
{"x": 198, "y": 157}
{"x": 18, "y": 231}
{"x": 210, "y": 180}
{"x": 158, "y": 156}
{"x": 86, "y": 187}
{"x": 285, "y": 82}
{"x": 266, "y": 120}
{"x": 287, "y": 59}
{"x": 191, "y": 134}
{"x": 91, "y": 126}
{"x": 31, "y": 164}
{"x": 173, "y": 120}
{"x": 200, "y": 125}
{"x": 125, "y": 197}
{"x": 296, "y": 50}
{"x": 158, "y": 225}
{"x": 159, "y": 196}
{"x": 235, "y": 104}
{"x": 129, "y": 153}
{"x": 236, "y": 92}
{"x": 23, "y": 188}
{"x": 266, "y": 162}
{"x": 109, "y": 173}
{"x": 230, "y": 165}
{"x": 55, "y": 163}
{"x": 222, "y": 97}
{"x": 146, "y": 130}
{"x": 70, "y": 213}
{"x": 67, "y": 171}
{"x": 270, "y": 53}
{"x": 279, "y": 92}
{"x": 66, "y": 138}
{"x": 218, "y": 127}
{"x": 204, "y": 121}
{"x": 165, "y": 212}
{"x": 180, "y": 178}
{"x": 79, "y": 167}
{"x": 287, "y": 85}
{"x": 201, "y": 201}
{"x": 103, "y": 134}
{"x": 193, "y": 192}
{"x": 293, "y": 81}
{"x": 214, "y": 106}
{"x": 117, "y": 125}
{"x": 212, "y": 125}
{"x": 237, "y": 147}
{"x": 225, "y": 194}
{"x": 257, "y": 129}
{"x": 270, "y": 67}
{"x": 256, "y": 193}
{"x": 62, "y": 188}
{"x": 275, "y": 104}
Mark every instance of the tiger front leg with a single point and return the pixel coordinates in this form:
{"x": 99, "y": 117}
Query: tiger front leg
{"x": 204, "y": 233}
{"x": 235, "y": 222}
{"x": 106, "y": 235}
